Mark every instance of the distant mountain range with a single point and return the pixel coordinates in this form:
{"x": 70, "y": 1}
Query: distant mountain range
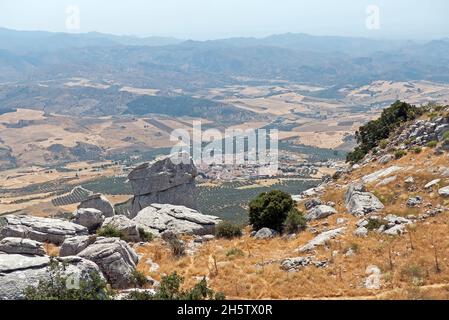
{"x": 168, "y": 63}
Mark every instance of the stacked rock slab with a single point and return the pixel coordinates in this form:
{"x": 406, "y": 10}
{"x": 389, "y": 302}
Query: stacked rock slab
{"x": 359, "y": 202}
{"x": 170, "y": 180}
{"x": 99, "y": 202}
{"x": 159, "y": 218}
{"x": 39, "y": 229}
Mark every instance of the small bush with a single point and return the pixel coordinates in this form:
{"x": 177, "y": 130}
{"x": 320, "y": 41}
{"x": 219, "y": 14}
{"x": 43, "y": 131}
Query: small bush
{"x": 383, "y": 143}
{"x": 446, "y": 135}
{"x": 270, "y": 209}
{"x": 110, "y": 232}
{"x": 93, "y": 287}
{"x": 170, "y": 289}
{"x": 417, "y": 150}
{"x": 374, "y": 224}
{"x": 399, "y": 154}
{"x": 228, "y": 230}
{"x": 145, "y": 236}
{"x": 177, "y": 247}
{"x": 414, "y": 273}
{"x": 432, "y": 144}
{"x": 234, "y": 252}
{"x": 295, "y": 222}
{"x": 139, "y": 279}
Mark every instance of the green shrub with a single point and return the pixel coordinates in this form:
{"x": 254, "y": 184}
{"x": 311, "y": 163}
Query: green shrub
{"x": 170, "y": 289}
{"x": 399, "y": 154}
{"x": 446, "y": 135}
{"x": 432, "y": 144}
{"x": 370, "y": 135}
{"x": 139, "y": 279}
{"x": 109, "y": 231}
{"x": 228, "y": 230}
{"x": 295, "y": 222}
{"x": 374, "y": 224}
{"x": 383, "y": 143}
{"x": 177, "y": 247}
{"x": 270, "y": 209}
{"x": 93, "y": 287}
{"x": 417, "y": 150}
{"x": 145, "y": 236}
{"x": 234, "y": 252}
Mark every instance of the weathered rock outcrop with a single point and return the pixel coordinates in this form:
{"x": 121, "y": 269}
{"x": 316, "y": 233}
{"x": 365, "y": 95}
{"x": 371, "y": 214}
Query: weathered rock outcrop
{"x": 115, "y": 258}
{"x": 127, "y": 227}
{"x": 381, "y": 174}
{"x": 89, "y": 218}
{"x": 322, "y": 239}
{"x": 39, "y": 229}
{"x": 170, "y": 180}
{"x": 320, "y": 212}
{"x": 73, "y": 246}
{"x": 359, "y": 202}
{"x": 18, "y": 272}
{"x": 99, "y": 202}
{"x": 22, "y": 246}
{"x": 158, "y": 218}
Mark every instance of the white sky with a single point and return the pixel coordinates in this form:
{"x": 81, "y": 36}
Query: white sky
{"x": 208, "y": 19}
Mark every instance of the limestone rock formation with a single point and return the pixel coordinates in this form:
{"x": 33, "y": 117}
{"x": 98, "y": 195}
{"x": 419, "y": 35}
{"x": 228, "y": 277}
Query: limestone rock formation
{"x": 89, "y": 218}
{"x": 73, "y": 246}
{"x": 39, "y": 229}
{"x": 322, "y": 239}
{"x": 18, "y": 272}
{"x": 22, "y": 246}
{"x": 127, "y": 227}
{"x": 359, "y": 202}
{"x": 115, "y": 258}
{"x": 265, "y": 233}
{"x": 99, "y": 202}
{"x": 320, "y": 212}
{"x": 158, "y": 218}
{"x": 170, "y": 180}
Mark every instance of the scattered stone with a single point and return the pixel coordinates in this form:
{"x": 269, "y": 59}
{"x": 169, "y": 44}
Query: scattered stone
{"x": 39, "y": 229}
{"x": 320, "y": 212}
{"x": 396, "y": 230}
{"x": 322, "y": 239}
{"x": 311, "y": 203}
{"x": 295, "y": 264}
{"x": 409, "y": 180}
{"x": 414, "y": 201}
{"x": 89, "y": 218}
{"x": 359, "y": 202}
{"x": 265, "y": 233}
{"x": 115, "y": 258}
{"x": 387, "y": 181}
{"x": 432, "y": 183}
{"x": 444, "y": 191}
{"x": 154, "y": 267}
{"x": 22, "y": 246}
{"x": 361, "y": 232}
{"x": 373, "y": 281}
{"x": 385, "y": 159}
{"x": 99, "y": 202}
{"x": 158, "y": 218}
{"x": 73, "y": 246}
{"x": 342, "y": 220}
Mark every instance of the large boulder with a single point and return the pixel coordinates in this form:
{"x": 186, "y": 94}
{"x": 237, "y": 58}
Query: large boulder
{"x": 99, "y": 202}
{"x": 89, "y": 218}
{"x": 127, "y": 227}
{"x": 320, "y": 212}
{"x": 265, "y": 233}
{"x": 158, "y": 218}
{"x": 359, "y": 202}
{"x": 380, "y": 174}
{"x": 170, "y": 180}
{"x": 39, "y": 229}
{"x": 115, "y": 258}
{"x": 18, "y": 272}
{"x": 444, "y": 192}
{"x": 22, "y": 246}
{"x": 73, "y": 246}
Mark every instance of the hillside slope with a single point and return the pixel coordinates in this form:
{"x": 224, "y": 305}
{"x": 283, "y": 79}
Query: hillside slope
{"x": 388, "y": 240}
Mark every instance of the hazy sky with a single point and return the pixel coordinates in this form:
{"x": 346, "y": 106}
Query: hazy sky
{"x": 206, "y": 19}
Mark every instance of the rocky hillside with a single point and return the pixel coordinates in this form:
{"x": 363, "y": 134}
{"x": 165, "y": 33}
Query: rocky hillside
{"x": 377, "y": 230}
